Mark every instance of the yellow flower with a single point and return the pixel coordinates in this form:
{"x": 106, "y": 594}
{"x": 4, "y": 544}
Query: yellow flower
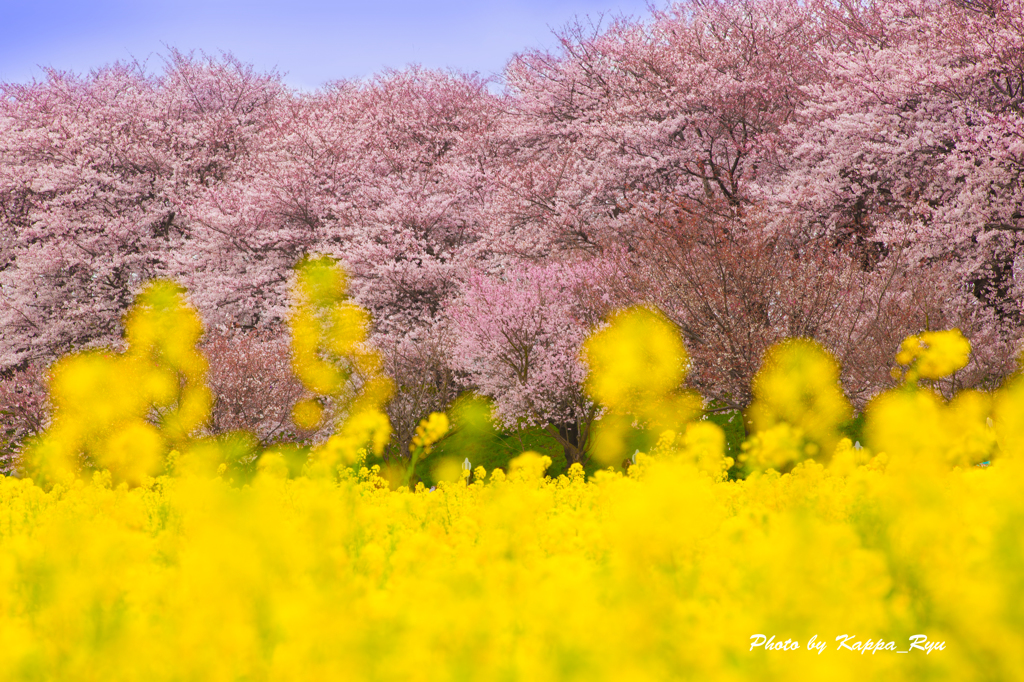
{"x": 636, "y": 359}
{"x": 934, "y": 355}
{"x": 798, "y": 384}
{"x": 429, "y": 431}
{"x": 636, "y": 368}
{"x": 307, "y": 414}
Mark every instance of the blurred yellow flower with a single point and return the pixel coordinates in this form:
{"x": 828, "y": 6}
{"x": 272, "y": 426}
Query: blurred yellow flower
{"x": 934, "y": 355}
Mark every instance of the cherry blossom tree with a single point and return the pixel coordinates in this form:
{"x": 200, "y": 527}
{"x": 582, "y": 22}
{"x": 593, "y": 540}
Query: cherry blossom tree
{"x": 386, "y": 175}
{"x": 734, "y": 291}
{"x": 916, "y": 138}
{"x": 518, "y": 339}
{"x": 639, "y": 115}
{"x": 389, "y": 176}
{"x": 96, "y": 174}
{"x": 756, "y": 168}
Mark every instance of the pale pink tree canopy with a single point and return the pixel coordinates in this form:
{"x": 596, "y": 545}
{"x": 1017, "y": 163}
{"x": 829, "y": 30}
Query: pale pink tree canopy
{"x": 916, "y": 135}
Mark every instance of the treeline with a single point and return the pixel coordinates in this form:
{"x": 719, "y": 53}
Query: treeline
{"x": 850, "y": 172}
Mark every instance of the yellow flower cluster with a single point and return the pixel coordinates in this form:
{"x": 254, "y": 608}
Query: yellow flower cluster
{"x": 669, "y": 571}
{"x": 103, "y": 402}
{"x": 331, "y": 358}
{"x": 428, "y": 432}
{"x": 637, "y": 367}
{"x": 798, "y": 406}
{"x": 933, "y": 355}
{"x": 125, "y": 413}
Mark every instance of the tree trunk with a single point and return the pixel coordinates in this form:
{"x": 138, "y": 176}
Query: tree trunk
{"x": 569, "y": 437}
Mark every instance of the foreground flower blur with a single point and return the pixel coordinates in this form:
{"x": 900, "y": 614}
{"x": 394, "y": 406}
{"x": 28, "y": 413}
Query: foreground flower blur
{"x": 126, "y": 559}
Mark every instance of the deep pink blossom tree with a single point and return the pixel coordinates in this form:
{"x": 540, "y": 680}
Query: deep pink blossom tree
{"x": 518, "y": 339}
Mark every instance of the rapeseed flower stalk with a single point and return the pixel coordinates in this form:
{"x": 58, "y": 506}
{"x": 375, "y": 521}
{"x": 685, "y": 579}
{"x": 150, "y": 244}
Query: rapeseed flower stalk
{"x": 798, "y": 406}
{"x": 933, "y": 355}
{"x": 332, "y": 358}
{"x": 428, "y": 432}
{"x": 637, "y": 367}
{"x": 918, "y": 429}
{"x": 105, "y": 403}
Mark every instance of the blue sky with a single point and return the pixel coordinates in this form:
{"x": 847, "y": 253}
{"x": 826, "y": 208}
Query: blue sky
{"x": 310, "y": 41}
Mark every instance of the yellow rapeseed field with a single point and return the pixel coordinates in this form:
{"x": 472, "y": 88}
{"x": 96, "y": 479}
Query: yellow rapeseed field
{"x": 130, "y": 554}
